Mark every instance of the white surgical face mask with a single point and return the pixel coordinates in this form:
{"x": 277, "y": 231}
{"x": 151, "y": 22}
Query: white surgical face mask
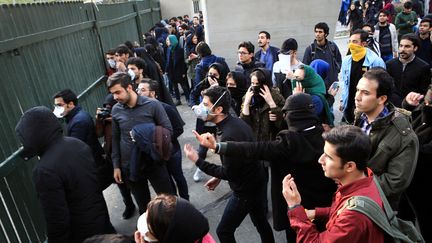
{"x": 112, "y": 63}
{"x": 59, "y": 111}
{"x": 131, "y": 74}
{"x": 202, "y": 112}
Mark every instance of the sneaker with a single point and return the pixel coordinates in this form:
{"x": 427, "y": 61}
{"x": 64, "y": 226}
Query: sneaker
{"x": 197, "y": 175}
{"x": 128, "y": 212}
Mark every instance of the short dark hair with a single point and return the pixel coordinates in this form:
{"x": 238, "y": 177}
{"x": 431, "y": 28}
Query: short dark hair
{"x": 110, "y": 52}
{"x": 137, "y": 61}
{"x": 220, "y": 93}
{"x": 408, "y": 5}
{"x": 67, "y": 95}
{"x": 384, "y": 80}
{"x": 387, "y": 13}
{"x": 363, "y": 34}
{"x": 119, "y": 78}
{"x": 123, "y": 49}
{"x": 186, "y": 16}
{"x": 426, "y": 20}
{"x": 413, "y": 38}
{"x": 203, "y": 49}
{"x": 184, "y": 26}
{"x": 248, "y": 45}
{"x": 109, "y": 238}
{"x": 351, "y": 143}
{"x": 267, "y": 34}
{"x": 323, "y": 26}
{"x": 153, "y": 85}
{"x": 370, "y": 26}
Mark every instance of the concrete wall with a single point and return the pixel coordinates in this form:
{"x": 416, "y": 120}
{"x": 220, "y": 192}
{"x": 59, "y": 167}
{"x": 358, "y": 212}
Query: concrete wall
{"x": 229, "y": 22}
{"x": 174, "y": 8}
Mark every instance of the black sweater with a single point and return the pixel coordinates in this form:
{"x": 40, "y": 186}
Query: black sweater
{"x": 243, "y": 174}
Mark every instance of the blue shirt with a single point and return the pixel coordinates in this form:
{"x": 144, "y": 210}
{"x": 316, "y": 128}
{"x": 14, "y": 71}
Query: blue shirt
{"x": 267, "y": 59}
{"x": 364, "y": 123}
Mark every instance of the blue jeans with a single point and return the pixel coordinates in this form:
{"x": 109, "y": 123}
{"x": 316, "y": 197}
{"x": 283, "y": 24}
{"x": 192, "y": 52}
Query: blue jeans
{"x": 174, "y": 166}
{"x": 237, "y": 209}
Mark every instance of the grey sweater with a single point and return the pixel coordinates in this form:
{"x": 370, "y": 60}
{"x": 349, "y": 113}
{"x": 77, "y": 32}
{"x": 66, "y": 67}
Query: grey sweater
{"x": 146, "y": 110}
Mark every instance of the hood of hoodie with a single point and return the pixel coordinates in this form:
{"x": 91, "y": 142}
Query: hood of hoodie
{"x": 321, "y": 67}
{"x": 188, "y": 224}
{"x": 36, "y": 130}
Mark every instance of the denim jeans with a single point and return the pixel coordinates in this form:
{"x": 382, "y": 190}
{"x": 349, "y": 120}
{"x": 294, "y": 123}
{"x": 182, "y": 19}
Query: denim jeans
{"x": 174, "y": 166}
{"x": 237, "y": 209}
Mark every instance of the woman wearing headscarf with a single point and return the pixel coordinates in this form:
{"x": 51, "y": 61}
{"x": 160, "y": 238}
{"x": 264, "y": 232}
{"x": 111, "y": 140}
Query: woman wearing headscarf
{"x": 308, "y": 81}
{"x": 191, "y": 57}
{"x": 236, "y": 84}
{"x": 172, "y": 219}
{"x": 176, "y": 68}
{"x": 262, "y": 106}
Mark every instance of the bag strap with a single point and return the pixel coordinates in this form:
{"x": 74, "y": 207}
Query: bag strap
{"x": 391, "y": 215}
{"x": 373, "y": 211}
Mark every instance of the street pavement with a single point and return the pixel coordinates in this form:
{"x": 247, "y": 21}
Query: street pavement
{"x": 210, "y": 203}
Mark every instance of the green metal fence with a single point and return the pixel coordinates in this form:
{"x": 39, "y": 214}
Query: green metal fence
{"x": 45, "y": 48}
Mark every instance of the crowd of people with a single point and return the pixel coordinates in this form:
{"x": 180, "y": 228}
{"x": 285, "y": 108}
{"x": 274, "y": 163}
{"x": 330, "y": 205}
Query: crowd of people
{"x": 271, "y": 117}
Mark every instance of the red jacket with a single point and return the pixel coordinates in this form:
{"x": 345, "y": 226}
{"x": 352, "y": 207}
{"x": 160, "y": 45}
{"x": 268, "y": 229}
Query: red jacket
{"x": 344, "y": 226}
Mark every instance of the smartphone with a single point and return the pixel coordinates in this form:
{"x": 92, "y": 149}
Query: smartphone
{"x": 335, "y": 85}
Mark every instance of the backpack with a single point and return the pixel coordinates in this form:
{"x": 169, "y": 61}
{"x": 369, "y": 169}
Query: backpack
{"x": 400, "y": 230}
{"x": 332, "y": 50}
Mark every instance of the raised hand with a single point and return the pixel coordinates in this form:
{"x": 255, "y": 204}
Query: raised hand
{"x": 206, "y": 139}
{"x": 191, "y": 153}
{"x": 290, "y": 192}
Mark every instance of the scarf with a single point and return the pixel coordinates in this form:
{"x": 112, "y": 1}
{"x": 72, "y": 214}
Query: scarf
{"x": 357, "y": 52}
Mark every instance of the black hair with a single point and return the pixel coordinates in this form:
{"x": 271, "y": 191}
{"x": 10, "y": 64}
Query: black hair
{"x": 67, "y": 95}
{"x": 186, "y": 15}
{"x": 413, "y": 38}
{"x": 263, "y": 75}
{"x": 323, "y": 26}
{"x": 370, "y": 26}
{"x": 203, "y": 49}
{"x": 267, "y": 34}
{"x": 384, "y": 80}
{"x": 119, "y": 78}
{"x": 184, "y": 26}
{"x": 111, "y": 51}
{"x": 109, "y": 238}
{"x": 363, "y": 34}
{"x": 248, "y": 45}
{"x": 137, "y": 61}
{"x": 153, "y": 85}
{"x": 408, "y": 5}
{"x": 351, "y": 143}
{"x": 129, "y": 45}
{"x": 222, "y": 94}
{"x": 123, "y": 49}
{"x": 426, "y": 20}
{"x": 387, "y": 13}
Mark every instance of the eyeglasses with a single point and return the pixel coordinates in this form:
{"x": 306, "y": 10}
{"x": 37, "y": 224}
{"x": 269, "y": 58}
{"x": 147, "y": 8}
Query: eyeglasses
{"x": 242, "y": 53}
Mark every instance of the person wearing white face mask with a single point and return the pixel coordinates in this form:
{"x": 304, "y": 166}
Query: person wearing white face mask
{"x": 80, "y": 124}
{"x": 110, "y": 58}
{"x": 246, "y": 177}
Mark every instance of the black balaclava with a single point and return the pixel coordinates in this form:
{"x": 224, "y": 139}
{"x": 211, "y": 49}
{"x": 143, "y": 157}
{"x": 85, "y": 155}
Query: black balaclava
{"x": 300, "y": 112}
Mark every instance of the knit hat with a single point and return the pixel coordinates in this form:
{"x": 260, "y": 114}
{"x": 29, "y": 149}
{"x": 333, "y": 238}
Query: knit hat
{"x": 298, "y": 101}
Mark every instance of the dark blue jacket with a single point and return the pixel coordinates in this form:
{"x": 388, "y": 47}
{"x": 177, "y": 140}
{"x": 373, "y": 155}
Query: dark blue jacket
{"x": 203, "y": 66}
{"x": 274, "y": 51}
{"x": 80, "y": 125}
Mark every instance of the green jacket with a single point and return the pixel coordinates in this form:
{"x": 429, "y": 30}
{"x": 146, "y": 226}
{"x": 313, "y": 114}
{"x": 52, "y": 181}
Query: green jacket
{"x": 394, "y": 152}
{"x": 402, "y": 24}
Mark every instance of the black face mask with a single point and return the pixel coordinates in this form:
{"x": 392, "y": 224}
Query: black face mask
{"x": 427, "y": 115}
{"x": 256, "y": 90}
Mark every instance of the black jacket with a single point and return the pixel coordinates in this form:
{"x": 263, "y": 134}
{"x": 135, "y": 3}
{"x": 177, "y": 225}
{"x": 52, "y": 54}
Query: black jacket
{"x": 247, "y": 69}
{"x": 244, "y": 175}
{"x": 294, "y": 153}
{"x": 65, "y": 179}
{"x": 415, "y": 78}
{"x": 80, "y": 125}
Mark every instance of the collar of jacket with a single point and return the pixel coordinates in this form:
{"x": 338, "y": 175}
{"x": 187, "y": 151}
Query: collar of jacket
{"x": 393, "y": 114}
{"x": 72, "y": 113}
{"x": 141, "y": 100}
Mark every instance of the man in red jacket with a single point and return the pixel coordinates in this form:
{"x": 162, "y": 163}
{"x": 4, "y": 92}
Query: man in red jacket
{"x": 346, "y": 152}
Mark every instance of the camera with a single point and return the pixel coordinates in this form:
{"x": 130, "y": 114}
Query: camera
{"x": 104, "y": 113}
